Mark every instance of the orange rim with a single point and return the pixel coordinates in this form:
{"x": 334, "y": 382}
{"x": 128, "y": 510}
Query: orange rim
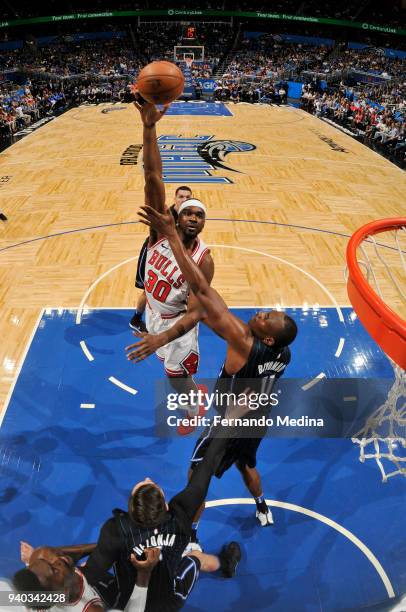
{"x": 382, "y": 323}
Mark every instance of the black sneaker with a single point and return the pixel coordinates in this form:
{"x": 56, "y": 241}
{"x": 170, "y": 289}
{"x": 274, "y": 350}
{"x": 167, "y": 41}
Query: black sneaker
{"x": 3, "y": 217}
{"x": 230, "y": 556}
{"x": 137, "y": 324}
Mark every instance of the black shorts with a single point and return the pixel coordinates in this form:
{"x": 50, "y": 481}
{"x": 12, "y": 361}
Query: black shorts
{"x": 116, "y": 590}
{"x": 185, "y": 579}
{"x": 241, "y": 450}
{"x": 142, "y": 258}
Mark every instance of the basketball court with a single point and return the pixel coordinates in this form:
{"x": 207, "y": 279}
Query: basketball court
{"x": 284, "y": 191}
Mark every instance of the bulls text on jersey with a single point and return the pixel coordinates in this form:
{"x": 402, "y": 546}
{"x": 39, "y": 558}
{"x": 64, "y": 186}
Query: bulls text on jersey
{"x": 166, "y": 289}
{"x": 167, "y": 268}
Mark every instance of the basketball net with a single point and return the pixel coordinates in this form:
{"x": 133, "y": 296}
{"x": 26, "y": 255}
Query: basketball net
{"x": 383, "y": 436}
{"x": 188, "y": 62}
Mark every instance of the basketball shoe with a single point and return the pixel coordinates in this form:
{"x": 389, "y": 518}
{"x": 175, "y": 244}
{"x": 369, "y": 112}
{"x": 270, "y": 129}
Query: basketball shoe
{"x": 186, "y": 429}
{"x": 137, "y": 324}
{"x": 230, "y": 556}
{"x": 264, "y": 515}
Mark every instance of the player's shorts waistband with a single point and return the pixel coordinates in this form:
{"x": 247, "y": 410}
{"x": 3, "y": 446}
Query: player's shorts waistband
{"x": 169, "y": 315}
{"x": 173, "y": 315}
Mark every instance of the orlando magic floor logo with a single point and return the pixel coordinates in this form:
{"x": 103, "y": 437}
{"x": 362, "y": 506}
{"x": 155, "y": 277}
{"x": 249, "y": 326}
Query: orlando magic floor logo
{"x": 192, "y": 160}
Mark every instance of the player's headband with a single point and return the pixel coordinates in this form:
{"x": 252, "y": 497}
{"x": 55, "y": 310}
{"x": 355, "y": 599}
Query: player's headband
{"x": 192, "y": 202}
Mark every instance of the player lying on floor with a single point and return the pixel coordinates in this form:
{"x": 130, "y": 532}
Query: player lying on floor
{"x": 150, "y": 522}
{"x": 51, "y": 575}
{"x": 257, "y": 355}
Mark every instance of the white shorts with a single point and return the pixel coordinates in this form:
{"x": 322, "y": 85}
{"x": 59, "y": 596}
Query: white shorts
{"x": 181, "y": 356}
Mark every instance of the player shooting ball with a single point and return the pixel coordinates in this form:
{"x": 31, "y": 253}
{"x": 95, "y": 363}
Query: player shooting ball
{"x": 255, "y": 350}
{"x": 172, "y": 311}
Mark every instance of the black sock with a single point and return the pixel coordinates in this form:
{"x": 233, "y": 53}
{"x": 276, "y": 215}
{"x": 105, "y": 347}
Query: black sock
{"x": 261, "y": 504}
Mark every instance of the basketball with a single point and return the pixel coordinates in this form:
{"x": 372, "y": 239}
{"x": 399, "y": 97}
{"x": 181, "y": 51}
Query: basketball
{"x": 160, "y": 82}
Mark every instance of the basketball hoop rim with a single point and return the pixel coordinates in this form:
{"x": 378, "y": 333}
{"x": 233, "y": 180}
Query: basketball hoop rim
{"x": 385, "y": 326}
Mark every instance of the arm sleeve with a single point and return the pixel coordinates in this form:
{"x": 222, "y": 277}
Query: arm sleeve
{"x": 137, "y": 600}
{"x": 186, "y": 503}
{"x": 107, "y": 551}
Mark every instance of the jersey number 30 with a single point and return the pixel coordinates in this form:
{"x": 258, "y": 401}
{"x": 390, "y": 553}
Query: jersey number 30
{"x": 159, "y": 290}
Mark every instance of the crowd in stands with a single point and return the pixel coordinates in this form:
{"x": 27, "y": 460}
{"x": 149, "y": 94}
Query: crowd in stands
{"x": 66, "y": 58}
{"x": 269, "y": 91}
{"x": 388, "y": 95}
{"x": 113, "y": 57}
{"x": 367, "y": 60}
{"x": 261, "y": 66}
{"x": 380, "y": 126}
{"x": 275, "y": 61}
{"x": 216, "y": 39}
{"x": 269, "y": 53}
{"x": 22, "y": 106}
{"x": 18, "y": 109}
{"x": 67, "y": 73}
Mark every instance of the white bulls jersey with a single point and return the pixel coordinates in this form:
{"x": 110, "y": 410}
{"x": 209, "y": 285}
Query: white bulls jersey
{"x": 87, "y": 597}
{"x": 165, "y": 287}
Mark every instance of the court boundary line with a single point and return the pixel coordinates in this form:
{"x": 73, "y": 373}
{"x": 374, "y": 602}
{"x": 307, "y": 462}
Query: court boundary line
{"x": 286, "y": 262}
{"x": 323, "y": 519}
{"x": 20, "y": 366}
{"x": 387, "y": 162}
{"x": 120, "y": 223}
{"x": 316, "y": 379}
{"x": 236, "y": 247}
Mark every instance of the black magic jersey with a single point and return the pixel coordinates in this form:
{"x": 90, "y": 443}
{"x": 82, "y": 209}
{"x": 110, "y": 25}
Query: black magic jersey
{"x": 120, "y": 537}
{"x": 264, "y": 365}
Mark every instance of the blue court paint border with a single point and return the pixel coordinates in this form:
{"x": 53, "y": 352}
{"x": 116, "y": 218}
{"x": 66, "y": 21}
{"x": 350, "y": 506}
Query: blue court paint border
{"x": 199, "y": 108}
{"x": 92, "y": 227}
{"x": 82, "y": 514}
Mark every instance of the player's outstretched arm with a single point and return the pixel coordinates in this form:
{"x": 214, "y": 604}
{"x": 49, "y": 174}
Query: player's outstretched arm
{"x": 106, "y": 552}
{"x": 221, "y": 320}
{"x": 150, "y": 343}
{"x": 75, "y": 551}
{"x": 78, "y": 551}
{"x": 144, "y": 569}
{"x": 154, "y": 186}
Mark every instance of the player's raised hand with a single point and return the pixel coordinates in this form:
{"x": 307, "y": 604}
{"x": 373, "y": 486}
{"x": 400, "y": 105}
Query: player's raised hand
{"x": 150, "y": 561}
{"x": 25, "y": 552}
{"x": 161, "y": 222}
{"x": 150, "y": 114}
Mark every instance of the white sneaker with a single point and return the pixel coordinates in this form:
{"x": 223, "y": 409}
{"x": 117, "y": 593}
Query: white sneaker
{"x": 190, "y": 547}
{"x": 265, "y": 519}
